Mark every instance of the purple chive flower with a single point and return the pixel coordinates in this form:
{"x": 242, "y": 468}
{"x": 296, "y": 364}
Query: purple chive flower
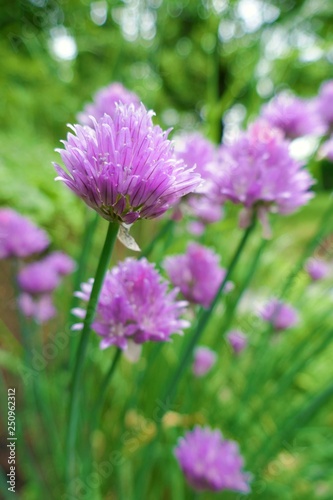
{"x": 18, "y": 236}
{"x": 294, "y": 116}
{"x": 40, "y": 308}
{"x": 237, "y": 340}
{"x": 135, "y": 306}
{"x": 43, "y": 276}
{"x": 209, "y": 462}
{"x": 105, "y": 101}
{"x": 280, "y": 315}
{"x": 196, "y": 227}
{"x": 197, "y": 273}
{"x": 324, "y": 103}
{"x": 60, "y": 262}
{"x": 195, "y": 150}
{"x": 326, "y": 150}
{"x": 316, "y": 269}
{"x": 204, "y": 360}
{"x": 258, "y": 172}
{"x": 38, "y": 278}
{"x": 124, "y": 168}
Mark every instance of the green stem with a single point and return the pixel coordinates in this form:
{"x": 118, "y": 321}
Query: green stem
{"x": 95, "y": 415}
{"x": 82, "y": 348}
{"x": 79, "y": 276}
{"x": 132, "y": 401}
{"x": 296, "y": 421}
{"x": 229, "y": 315}
{"x": 323, "y": 228}
{"x": 203, "y": 320}
{"x": 103, "y": 391}
{"x": 299, "y": 364}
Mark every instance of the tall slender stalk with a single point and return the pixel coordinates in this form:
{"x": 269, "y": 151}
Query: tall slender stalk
{"x": 204, "y": 318}
{"x": 323, "y": 229}
{"x": 297, "y": 420}
{"x": 82, "y": 348}
{"x": 298, "y": 364}
{"x": 79, "y": 275}
{"x": 230, "y": 312}
{"x": 103, "y": 390}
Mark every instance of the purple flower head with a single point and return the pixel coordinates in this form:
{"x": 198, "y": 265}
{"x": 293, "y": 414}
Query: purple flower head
{"x": 316, "y": 269}
{"x": 209, "y": 462}
{"x": 60, "y": 262}
{"x": 195, "y": 150}
{"x": 18, "y": 236}
{"x": 326, "y": 150}
{"x": 204, "y": 360}
{"x": 40, "y": 308}
{"x": 124, "y": 168}
{"x": 105, "y": 101}
{"x": 237, "y": 340}
{"x": 294, "y": 116}
{"x": 38, "y": 278}
{"x": 280, "y": 315}
{"x": 134, "y": 306}
{"x": 324, "y": 103}
{"x": 197, "y": 273}
{"x": 258, "y": 172}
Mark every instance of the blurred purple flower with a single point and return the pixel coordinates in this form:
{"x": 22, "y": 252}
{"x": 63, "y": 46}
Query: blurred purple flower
{"x": 40, "y": 308}
{"x": 204, "y": 360}
{"x": 18, "y": 236}
{"x": 316, "y": 269}
{"x": 294, "y": 116}
{"x": 134, "y": 306}
{"x": 258, "y": 172}
{"x": 237, "y": 340}
{"x": 195, "y": 150}
{"x": 280, "y": 315}
{"x": 196, "y": 227}
{"x": 60, "y": 262}
{"x": 43, "y": 276}
{"x": 105, "y": 101}
{"x": 38, "y": 278}
{"x": 324, "y": 103}
{"x": 326, "y": 150}
{"x": 197, "y": 273}
{"x": 124, "y": 167}
{"x": 210, "y": 462}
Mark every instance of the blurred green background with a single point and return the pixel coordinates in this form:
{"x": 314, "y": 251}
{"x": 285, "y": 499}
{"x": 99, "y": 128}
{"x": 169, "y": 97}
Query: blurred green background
{"x": 192, "y": 61}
